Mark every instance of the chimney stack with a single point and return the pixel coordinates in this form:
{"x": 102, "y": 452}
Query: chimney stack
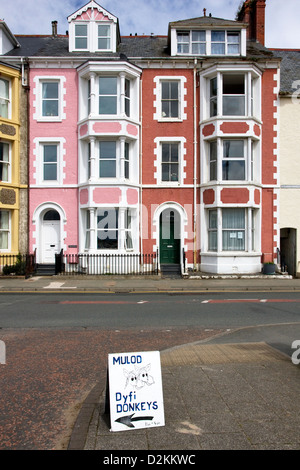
{"x": 54, "y": 29}
{"x": 253, "y": 13}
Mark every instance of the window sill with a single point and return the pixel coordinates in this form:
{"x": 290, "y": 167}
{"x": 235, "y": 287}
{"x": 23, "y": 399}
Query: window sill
{"x": 229, "y": 254}
{"x": 49, "y": 119}
{"x": 169, "y": 119}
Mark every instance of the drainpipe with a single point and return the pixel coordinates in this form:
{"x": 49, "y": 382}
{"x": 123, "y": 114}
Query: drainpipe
{"x": 141, "y": 170}
{"x": 26, "y": 86}
{"x": 195, "y": 166}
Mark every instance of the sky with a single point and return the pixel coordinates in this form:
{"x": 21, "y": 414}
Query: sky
{"x": 151, "y": 16}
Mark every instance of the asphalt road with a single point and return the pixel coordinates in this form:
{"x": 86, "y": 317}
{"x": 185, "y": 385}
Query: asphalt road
{"x": 123, "y": 311}
{"x": 57, "y": 347}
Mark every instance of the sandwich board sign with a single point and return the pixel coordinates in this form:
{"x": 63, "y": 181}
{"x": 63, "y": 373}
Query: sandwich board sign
{"x": 135, "y": 391}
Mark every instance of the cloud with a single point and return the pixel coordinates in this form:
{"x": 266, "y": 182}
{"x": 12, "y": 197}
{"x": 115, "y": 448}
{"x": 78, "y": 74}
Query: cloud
{"x": 152, "y": 16}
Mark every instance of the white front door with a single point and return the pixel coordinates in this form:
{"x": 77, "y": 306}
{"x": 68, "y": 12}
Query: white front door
{"x": 51, "y": 240}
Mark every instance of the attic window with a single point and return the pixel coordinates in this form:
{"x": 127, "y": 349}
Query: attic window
{"x": 104, "y": 37}
{"x": 210, "y": 42}
{"x": 191, "y": 42}
{"x": 81, "y": 36}
{"x": 225, "y": 42}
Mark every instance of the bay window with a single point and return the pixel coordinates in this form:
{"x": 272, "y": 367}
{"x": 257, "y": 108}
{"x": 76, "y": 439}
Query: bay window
{"x": 128, "y": 241}
{"x": 231, "y": 160}
{"x": 126, "y": 161}
{"x": 127, "y": 97}
{"x": 213, "y": 230}
{"x": 107, "y": 229}
{"x": 112, "y": 158}
{"x": 114, "y": 94}
{"x": 113, "y": 229}
{"x": 233, "y": 163}
{"x": 231, "y": 229}
{"x": 234, "y": 94}
{"x": 108, "y": 94}
{"x": 107, "y": 159}
{"x": 213, "y": 161}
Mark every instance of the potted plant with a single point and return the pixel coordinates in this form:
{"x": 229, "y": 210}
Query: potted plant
{"x": 269, "y": 268}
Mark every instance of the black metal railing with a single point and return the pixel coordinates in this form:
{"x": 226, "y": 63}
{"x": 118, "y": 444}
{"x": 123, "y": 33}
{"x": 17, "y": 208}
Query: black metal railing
{"x": 20, "y": 264}
{"x": 183, "y": 267}
{"x": 106, "y": 264}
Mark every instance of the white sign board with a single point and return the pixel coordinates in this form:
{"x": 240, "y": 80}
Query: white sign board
{"x": 135, "y": 391}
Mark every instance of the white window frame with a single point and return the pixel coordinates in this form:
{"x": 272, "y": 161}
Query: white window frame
{"x": 125, "y": 157}
{"x": 208, "y": 42}
{"x": 126, "y": 232}
{"x": 6, "y": 99}
{"x": 76, "y": 36}
{"x": 38, "y": 115}
{"x": 248, "y": 233}
{"x": 252, "y": 93}
{"x": 158, "y": 115}
{"x": 116, "y": 158}
{"x": 8, "y": 231}
{"x": 39, "y": 163}
{"x": 181, "y": 141}
{"x": 93, "y": 36}
{"x": 247, "y": 158}
{"x": 8, "y": 163}
{"x": 116, "y": 95}
{"x": 109, "y": 37}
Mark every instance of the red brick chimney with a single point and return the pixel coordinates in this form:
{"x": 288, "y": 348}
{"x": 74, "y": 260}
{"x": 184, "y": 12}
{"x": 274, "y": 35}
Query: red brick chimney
{"x": 253, "y": 13}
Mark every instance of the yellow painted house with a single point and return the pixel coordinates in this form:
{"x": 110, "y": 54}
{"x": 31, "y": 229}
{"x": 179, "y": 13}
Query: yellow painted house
{"x": 11, "y": 184}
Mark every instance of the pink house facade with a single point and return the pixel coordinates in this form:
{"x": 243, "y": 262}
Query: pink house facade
{"x": 84, "y": 135}
{"x": 53, "y": 172}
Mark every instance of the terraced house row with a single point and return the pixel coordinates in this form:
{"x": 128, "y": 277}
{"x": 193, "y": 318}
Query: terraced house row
{"x": 161, "y": 149}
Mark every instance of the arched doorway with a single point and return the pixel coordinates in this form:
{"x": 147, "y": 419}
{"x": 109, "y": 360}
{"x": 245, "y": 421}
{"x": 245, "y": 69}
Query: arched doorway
{"x": 170, "y": 237}
{"x": 50, "y": 235}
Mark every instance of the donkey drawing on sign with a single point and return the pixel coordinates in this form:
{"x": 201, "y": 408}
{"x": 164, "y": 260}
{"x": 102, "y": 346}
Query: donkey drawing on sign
{"x": 139, "y": 377}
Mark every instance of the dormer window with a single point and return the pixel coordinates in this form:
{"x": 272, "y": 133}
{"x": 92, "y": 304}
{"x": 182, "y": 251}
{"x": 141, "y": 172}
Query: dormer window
{"x": 210, "y": 42}
{"x": 103, "y": 37}
{"x": 191, "y": 42}
{"x": 225, "y": 42}
{"x": 81, "y": 36}
{"x": 93, "y": 29}
{"x": 208, "y": 36}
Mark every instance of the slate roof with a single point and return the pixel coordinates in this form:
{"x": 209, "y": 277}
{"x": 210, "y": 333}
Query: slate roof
{"x": 289, "y": 69}
{"x": 206, "y": 21}
{"x": 131, "y": 46}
